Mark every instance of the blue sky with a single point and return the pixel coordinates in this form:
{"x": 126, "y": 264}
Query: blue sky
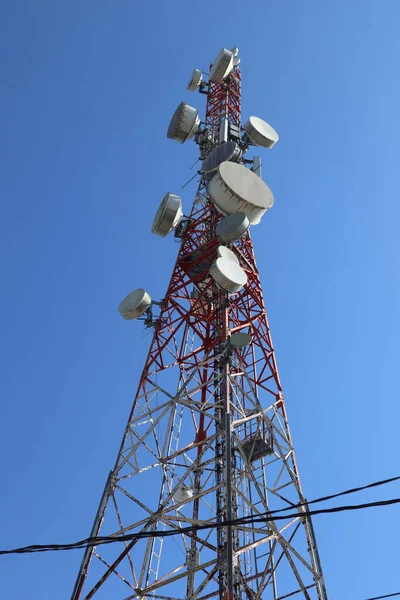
{"x": 88, "y": 89}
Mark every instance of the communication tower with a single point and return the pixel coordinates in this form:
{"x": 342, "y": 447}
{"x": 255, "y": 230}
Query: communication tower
{"x": 206, "y": 457}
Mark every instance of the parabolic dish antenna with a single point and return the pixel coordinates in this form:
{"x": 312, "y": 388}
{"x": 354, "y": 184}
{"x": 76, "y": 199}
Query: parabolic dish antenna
{"x": 237, "y": 189}
{"x": 260, "y": 133}
{"x": 236, "y": 62}
{"x": 195, "y": 80}
{"x": 183, "y": 494}
{"x": 224, "y": 252}
{"x": 235, "y": 51}
{"x": 226, "y": 151}
{"x": 135, "y": 304}
{"x": 184, "y": 123}
{"x": 168, "y": 215}
{"x": 222, "y": 66}
{"x": 240, "y": 339}
{"x": 228, "y": 275}
{"x": 233, "y": 227}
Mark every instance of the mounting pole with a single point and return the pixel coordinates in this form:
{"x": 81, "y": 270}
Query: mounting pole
{"x": 228, "y": 457}
{"x": 223, "y": 130}
{"x": 257, "y": 165}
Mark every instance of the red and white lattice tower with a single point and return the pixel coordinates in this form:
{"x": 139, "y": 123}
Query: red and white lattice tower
{"x": 206, "y": 456}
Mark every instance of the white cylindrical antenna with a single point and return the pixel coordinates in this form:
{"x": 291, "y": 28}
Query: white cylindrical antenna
{"x": 234, "y": 188}
{"x": 184, "y": 123}
{"x": 233, "y": 227}
{"x": 224, "y": 252}
{"x": 183, "y": 494}
{"x": 228, "y": 275}
{"x": 222, "y": 66}
{"x": 226, "y": 151}
{"x": 168, "y": 215}
{"x": 260, "y": 132}
{"x": 135, "y": 304}
{"x": 195, "y": 80}
{"x": 240, "y": 339}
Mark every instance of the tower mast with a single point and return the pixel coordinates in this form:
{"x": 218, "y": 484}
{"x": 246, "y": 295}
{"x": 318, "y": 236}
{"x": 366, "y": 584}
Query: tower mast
{"x": 207, "y": 454}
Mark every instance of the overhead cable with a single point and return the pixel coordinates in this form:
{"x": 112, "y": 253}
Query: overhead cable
{"x": 262, "y": 518}
{"x": 382, "y": 597}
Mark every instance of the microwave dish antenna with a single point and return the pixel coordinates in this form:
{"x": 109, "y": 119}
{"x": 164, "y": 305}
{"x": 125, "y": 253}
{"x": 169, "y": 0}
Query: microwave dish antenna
{"x": 235, "y": 51}
{"x": 224, "y": 152}
{"x": 168, "y": 215}
{"x": 183, "y": 494}
{"x": 233, "y": 227}
{"x": 135, "y": 304}
{"x": 224, "y": 252}
{"x": 240, "y": 339}
{"x": 184, "y": 124}
{"x": 195, "y": 80}
{"x": 222, "y": 66}
{"x": 260, "y": 132}
{"x": 237, "y": 189}
{"x": 228, "y": 275}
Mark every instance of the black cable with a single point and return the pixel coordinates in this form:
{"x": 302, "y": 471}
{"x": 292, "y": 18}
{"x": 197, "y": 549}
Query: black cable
{"x": 387, "y": 596}
{"x": 191, "y": 179}
{"x": 264, "y": 518}
{"x": 357, "y": 489}
{"x": 332, "y": 496}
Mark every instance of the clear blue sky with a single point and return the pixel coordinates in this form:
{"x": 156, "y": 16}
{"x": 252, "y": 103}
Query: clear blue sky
{"x": 88, "y": 88}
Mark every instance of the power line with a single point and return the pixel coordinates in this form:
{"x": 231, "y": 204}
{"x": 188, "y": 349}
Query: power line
{"x": 387, "y": 596}
{"x": 262, "y": 518}
{"x": 346, "y": 492}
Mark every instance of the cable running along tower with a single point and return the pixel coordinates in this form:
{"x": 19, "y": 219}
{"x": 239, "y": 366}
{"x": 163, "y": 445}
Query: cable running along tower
{"x": 207, "y": 453}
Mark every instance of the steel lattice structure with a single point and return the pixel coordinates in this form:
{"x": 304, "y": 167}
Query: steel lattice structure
{"x": 207, "y": 441}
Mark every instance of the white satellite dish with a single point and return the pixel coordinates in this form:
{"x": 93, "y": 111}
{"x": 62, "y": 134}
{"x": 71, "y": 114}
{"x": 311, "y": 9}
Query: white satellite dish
{"x": 168, "y": 215}
{"x": 226, "y": 151}
{"x": 135, "y": 304}
{"x": 195, "y": 80}
{"x": 233, "y": 227}
{"x": 224, "y": 252}
{"x": 235, "y": 51}
{"x": 236, "y": 62}
{"x": 237, "y": 189}
{"x": 240, "y": 339}
{"x": 260, "y": 133}
{"x": 228, "y": 275}
{"x": 184, "y": 123}
{"x": 222, "y": 66}
{"x": 183, "y": 494}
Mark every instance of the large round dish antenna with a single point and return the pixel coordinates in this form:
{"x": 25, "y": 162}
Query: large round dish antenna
{"x": 228, "y": 275}
{"x": 222, "y": 66}
{"x": 240, "y": 339}
{"x": 233, "y": 227}
{"x": 224, "y": 252}
{"x": 260, "y": 133}
{"x": 168, "y": 215}
{"x": 184, "y": 123}
{"x": 237, "y": 189}
{"x": 195, "y": 80}
{"x": 135, "y": 304}
{"x": 226, "y": 151}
